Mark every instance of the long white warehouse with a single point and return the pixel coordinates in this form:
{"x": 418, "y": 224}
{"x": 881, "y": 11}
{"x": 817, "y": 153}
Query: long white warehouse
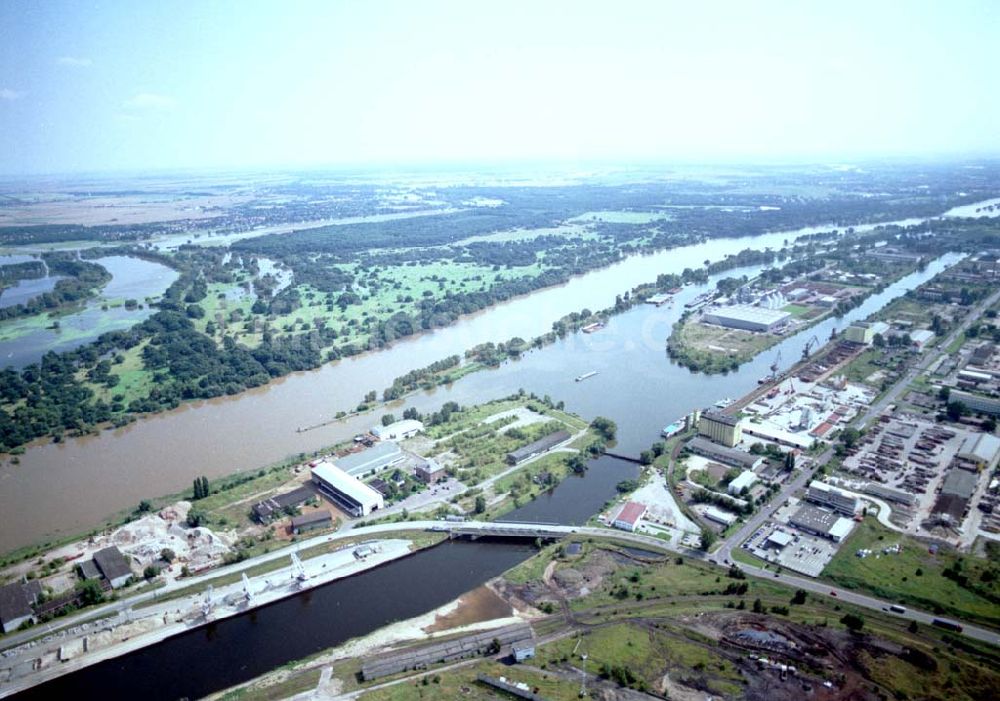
{"x": 347, "y": 492}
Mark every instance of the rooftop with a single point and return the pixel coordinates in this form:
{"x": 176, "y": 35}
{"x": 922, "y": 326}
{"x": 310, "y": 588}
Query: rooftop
{"x": 112, "y": 563}
{"x": 631, "y": 513}
{"x": 310, "y": 518}
{"x": 815, "y": 519}
{"x": 745, "y": 312}
{"x": 345, "y": 483}
{"x": 378, "y": 455}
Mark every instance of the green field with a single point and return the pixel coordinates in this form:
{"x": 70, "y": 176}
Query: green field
{"x": 894, "y": 577}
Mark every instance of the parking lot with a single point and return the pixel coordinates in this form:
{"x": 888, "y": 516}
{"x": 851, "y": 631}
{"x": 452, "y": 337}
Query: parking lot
{"x": 804, "y": 553}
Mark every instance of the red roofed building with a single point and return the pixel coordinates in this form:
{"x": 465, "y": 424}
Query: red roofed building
{"x": 628, "y": 518}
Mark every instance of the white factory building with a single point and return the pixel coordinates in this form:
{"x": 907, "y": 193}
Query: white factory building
{"x": 349, "y": 493}
{"x": 744, "y": 480}
{"x": 398, "y": 431}
{"x": 743, "y": 316}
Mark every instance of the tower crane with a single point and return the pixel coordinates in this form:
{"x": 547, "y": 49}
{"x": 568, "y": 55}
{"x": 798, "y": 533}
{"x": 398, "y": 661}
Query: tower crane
{"x": 810, "y": 344}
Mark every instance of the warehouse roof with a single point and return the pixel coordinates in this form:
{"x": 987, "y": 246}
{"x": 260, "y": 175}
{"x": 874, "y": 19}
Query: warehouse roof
{"x": 705, "y": 447}
{"x": 539, "y": 446}
{"x": 311, "y": 518}
{"x": 959, "y": 483}
{"x": 16, "y": 599}
{"x": 745, "y": 312}
{"x": 719, "y": 417}
{"x": 378, "y": 456}
{"x": 112, "y": 563}
{"x": 980, "y": 447}
{"x": 345, "y": 483}
{"x": 815, "y": 519}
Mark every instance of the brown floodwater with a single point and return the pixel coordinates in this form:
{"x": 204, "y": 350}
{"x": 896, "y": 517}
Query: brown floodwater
{"x": 69, "y": 487}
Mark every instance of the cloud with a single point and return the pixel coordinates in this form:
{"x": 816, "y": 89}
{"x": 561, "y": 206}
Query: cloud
{"x": 8, "y": 94}
{"x": 150, "y": 101}
{"x": 75, "y": 61}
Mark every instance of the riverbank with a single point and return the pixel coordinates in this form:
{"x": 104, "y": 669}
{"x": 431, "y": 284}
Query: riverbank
{"x": 133, "y": 629}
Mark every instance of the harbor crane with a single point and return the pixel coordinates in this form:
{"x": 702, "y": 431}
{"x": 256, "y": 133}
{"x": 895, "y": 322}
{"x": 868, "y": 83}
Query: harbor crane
{"x": 246, "y": 589}
{"x": 776, "y": 364}
{"x": 206, "y": 604}
{"x": 810, "y": 344}
{"x": 298, "y": 569}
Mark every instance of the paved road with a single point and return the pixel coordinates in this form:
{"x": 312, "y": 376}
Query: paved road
{"x": 865, "y": 601}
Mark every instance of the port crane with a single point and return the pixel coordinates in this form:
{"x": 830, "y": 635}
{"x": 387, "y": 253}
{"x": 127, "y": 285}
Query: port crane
{"x": 810, "y": 344}
{"x": 298, "y": 569}
{"x": 776, "y": 364}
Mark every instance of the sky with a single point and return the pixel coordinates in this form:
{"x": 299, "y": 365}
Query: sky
{"x": 105, "y": 86}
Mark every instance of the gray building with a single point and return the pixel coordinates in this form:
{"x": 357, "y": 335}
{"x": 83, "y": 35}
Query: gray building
{"x": 727, "y": 456}
{"x": 16, "y": 602}
{"x": 382, "y": 455}
{"x": 978, "y": 403}
{"x": 742, "y": 316}
{"x": 113, "y": 566}
{"x": 537, "y": 447}
{"x": 311, "y": 521}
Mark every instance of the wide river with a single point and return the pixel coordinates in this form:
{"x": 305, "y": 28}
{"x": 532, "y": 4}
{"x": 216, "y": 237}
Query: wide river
{"x": 636, "y": 385}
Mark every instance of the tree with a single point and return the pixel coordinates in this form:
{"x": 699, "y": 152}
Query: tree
{"x": 90, "y": 592}
{"x": 789, "y": 461}
{"x": 480, "y": 504}
{"x": 853, "y": 622}
{"x": 388, "y": 419}
{"x": 195, "y": 518}
{"x": 989, "y": 424}
{"x": 944, "y": 393}
{"x": 707, "y": 540}
{"x": 956, "y": 410}
{"x": 167, "y": 555}
{"x": 605, "y": 427}
{"x": 150, "y": 572}
{"x": 646, "y": 457}
{"x": 800, "y": 597}
{"x": 758, "y": 606}
{"x": 849, "y": 437}
{"x": 145, "y": 506}
{"x": 578, "y": 464}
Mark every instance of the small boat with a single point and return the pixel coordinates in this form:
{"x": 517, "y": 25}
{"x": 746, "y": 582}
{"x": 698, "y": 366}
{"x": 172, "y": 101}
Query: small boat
{"x": 723, "y": 403}
{"x": 673, "y": 429}
{"x": 591, "y": 328}
{"x": 584, "y": 376}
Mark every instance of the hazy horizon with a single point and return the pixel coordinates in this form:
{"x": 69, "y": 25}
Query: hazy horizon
{"x": 118, "y": 88}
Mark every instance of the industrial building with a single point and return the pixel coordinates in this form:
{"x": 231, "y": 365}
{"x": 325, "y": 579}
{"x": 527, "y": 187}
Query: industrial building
{"x": 721, "y": 428}
{"x": 272, "y": 507}
{"x": 538, "y": 447}
{"x": 108, "y": 564}
{"x": 860, "y": 332}
{"x": 819, "y": 522}
{"x": 374, "y": 459}
{"x": 16, "y": 602}
{"x": 311, "y": 521}
{"x": 780, "y": 436}
{"x": 720, "y": 453}
{"x": 721, "y": 517}
{"x": 446, "y": 651}
{"x": 977, "y": 403}
{"x": 429, "y": 471}
{"x": 825, "y": 495}
{"x": 981, "y": 449}
{"x": 629, "y": 516}
{"x": 744, "y": 480}
{"x": 742, "y": 316}
{"x": 345, "y": 490}
{"x": 398, "y": 431}
{"x": 921, "y": 337}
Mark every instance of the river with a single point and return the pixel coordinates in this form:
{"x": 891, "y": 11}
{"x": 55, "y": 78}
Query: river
{"x": 637, "y": 386}
{"x": 26, "y": 340}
